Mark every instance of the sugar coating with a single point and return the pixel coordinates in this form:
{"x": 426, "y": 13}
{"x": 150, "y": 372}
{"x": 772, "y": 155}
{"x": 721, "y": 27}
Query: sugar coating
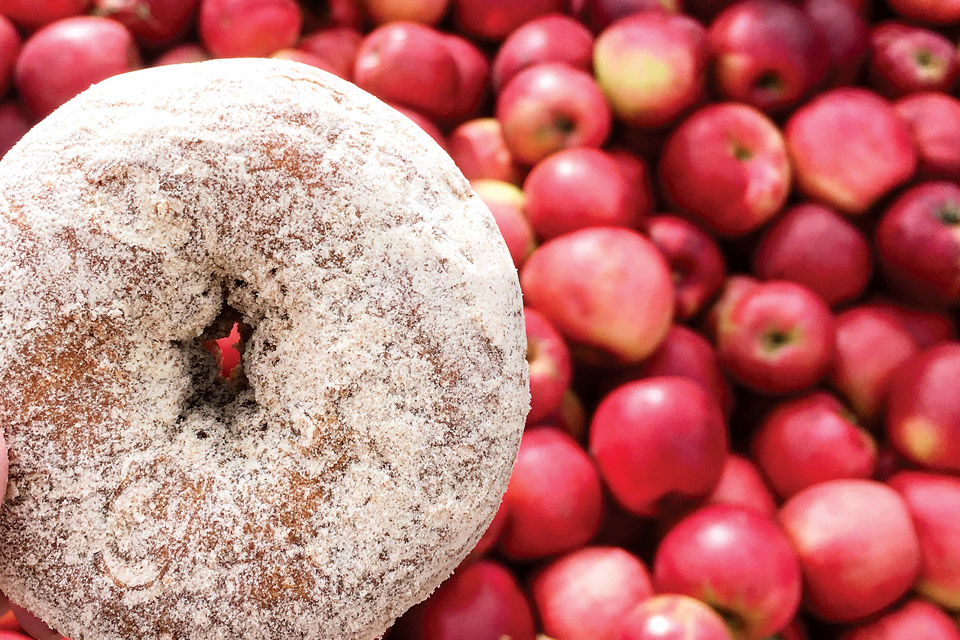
{"x": 386, "y": 375}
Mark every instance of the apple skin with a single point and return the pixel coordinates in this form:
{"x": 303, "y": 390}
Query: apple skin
{"x": 473, "y": 70}
{"x": 555, "y": 497}
{"x": 423, "y": 122}
{"x": 932, "y": 11}
{"x": 737, "y": 561}
{"x": 857, "y": 546}
{"x": 687, "y": 354}
{"x": 249, "y": 28}
{"x": 696, "y": 263}
{"x": 600, "y": 14}
{"x": 585, "y": 594}
{"x": 741, "y": 485}
{"x": 672, "y": 617}
{"x": 934, "y": 503}
{"x": 579, "y": 188}
{"x": 491, "y": 537}
{"x": 482, "y": 600}
{"x": 928, "y": 327}
{"x": 919, "y": 244}
{"x": 481, "y": 153}
{"x": 66, "y": 57}
{"x": 734, "y": 288}
{"x": 428, "y": 12}
{"x": 908, "y": 59}
{"x": 913, "y": 619}
{"x": 604, "y": 288}
{"x": 32, "y": 625}
{"x": 923, "y": 412}
{"x": 304, "y": 57}
{"x": 767, "y": 53}
{"x": 495, "y": 19}
{"x": 935, "y": 120}
{"x": 549, "y": 107}
{"x": 651, "y": 67}
{"x": 551, "y": 368}
{"x": 13, "y": 124}
{"x": 33, "y": 14}
{"x": 849, "y": 148}
{"x": 551, "y": 38}
{"x": 656, "y": 439}
{"x": 778, "y": 337}
{"x": 154, "y": 23}
{"x": 9, "y": 50}
{"x": 181, "y": 54}
{"x": 847, "y": 38}
{"x": 508, "y": 205}
{"x": 338, "y": 46}
{"x": 813, "y": 245}
{"x": 727, "y": 166}
{"x": 809, "y": 440}
{"x": 871, "y": 344}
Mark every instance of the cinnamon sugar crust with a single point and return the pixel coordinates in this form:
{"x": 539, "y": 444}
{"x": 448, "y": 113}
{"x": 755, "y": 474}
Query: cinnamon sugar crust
{"x": 385, "y": 381}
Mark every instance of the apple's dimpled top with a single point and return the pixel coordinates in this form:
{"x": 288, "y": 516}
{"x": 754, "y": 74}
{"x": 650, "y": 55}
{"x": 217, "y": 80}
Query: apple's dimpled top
{"x": 386, "y": 375}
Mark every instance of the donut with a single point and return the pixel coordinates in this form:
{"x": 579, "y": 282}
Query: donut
{"x": 366, "y": 445}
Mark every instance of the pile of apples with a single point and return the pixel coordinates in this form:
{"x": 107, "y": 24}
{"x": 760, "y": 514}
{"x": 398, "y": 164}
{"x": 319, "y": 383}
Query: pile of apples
{"x": 737, "y": 229}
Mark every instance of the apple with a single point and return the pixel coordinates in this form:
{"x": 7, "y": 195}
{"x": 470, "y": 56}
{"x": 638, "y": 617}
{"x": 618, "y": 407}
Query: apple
{"x": 934, "y": 503}
{"x": 482, "y": 600}
{"x": 913, "y": 619}
{"x": 549, "y": 107}
{"x": 182, "y": 54}
{"x": 734, "y": 288}
{"x": 66, "y": 57}
{"x": 923, "y": 412}
{"x": 777, "y": 338}
{"x": 428, "y": 12}
{"x": 927, "y": 327}
{"x": 9, "y": 50}
{"x": 491, "y": 537}
{"x": 672, "y": 617}
{"x": 33, "y": 14}
{"x": 579, "y": 188}
{"x": 602, "y": 13}
{"x": 849, "y": 148}
{"x": 478, "y": 148}
{"x": 659, "y": 439}
{"x": 651, "y": 67}
{"x": 585, "y": 594}
{"x": 767, "y": 53}
{"x": 872, "y": 344}
{"x": 606, "y": 289}
{"x": 933, "y": 11}
{"x": 919, "y": 244}
{"x": 13, "y": 124}
{"x": 934, "y": 119}
{"x": 154, "y": 23}
{"x": 550, "y": 367}
{"x": 695, "y": 260}
{"x": 420, "y": 120}
{"x": 908, "y": 59}
{"x": 508, "y": 205}
{"x": 727, "y": 166}
{"x": 814, "y": 246}
{"x": 249, "y": 28}
{"x": 473, "y": 70}
{"x": 495, "y": 19}
{"x": 338, "y": 46}
{"x": 809, "y": 440}
{"x": 32, "y": 625}
{"x": 554, "y": 497}
{"x": 304, "y": 57}
{"x": 551, "y": 38}
{"x": 737, "y": 561}
{"x": 857, "y": 546}
{"x": 846, "y": 35}
{"x": 570, "y": 416}
{"x": 741, "y": 485}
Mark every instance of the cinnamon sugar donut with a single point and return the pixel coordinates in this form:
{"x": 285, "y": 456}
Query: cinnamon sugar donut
{"x": 384, "y": 387}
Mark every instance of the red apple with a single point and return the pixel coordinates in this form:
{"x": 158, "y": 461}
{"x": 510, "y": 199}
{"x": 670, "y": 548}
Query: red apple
{"x": 491, "y": 537}
{"x": 777, "y": 338}
{"x": 651, "y": 67}
{"x": 908, "y": 59}
{"x": 672, "y": 617}
{"x": 857, "y": 546}
{"x": 508, "y": 205}
{"x": 871, "y": 344}
{"x": 32, "y": 625}
{"x": 9, "y": 50}
{"x": 585, "y": 594}
{"x": 66, "y": 57}
{"x": 36, "y": 13}
{"x": 550, "y": 366}
{"x": 919, "y": 244}
{"x": 552, "y": 38}
{"x": 478, "y": 148}
{"x": 13, "y": 124}
{"x": 933, "y": 11}
{"x": 816, "y": 247}
{"x": 338, "y": 46}
{"x": 935, "y": 121}
{"x": 428, "y": 12}
{"x": 727, "y": 166}
{"x": 570, "y": 416}
{"x": 927, "y": 327}
{"x": 810, "y": 440}
{"x": 741, "y": 485}
{"x": 767, "y": 53}
{"x": 154, "y": 23}
{"x": 549, "y": 107}
{"x": 737, "y": 561}
{"x": 495, "y": 19}
{"x": 482, "y": 601}
{"x": 182, "y": 54}
{"x": 607, "y": 289}
{"x": 555, "y": 497}
{"x": 734, "y": 288}
{"x": 249, "y": 28}
{"x": 304, "y": 57}
{"x": 602, "y": 13}
{"x": 695, "y": 261}
{"x": 846, "y": 35}
{"x": 923, "y": 412}
{"x": 849, "y": 148}
{"x": 658, "y": 439}
{"x": 915, "y": 619}
{"x": 579, "y": 188}
{"x": 473, "y": 70}
{"x": 420, "y": 120}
